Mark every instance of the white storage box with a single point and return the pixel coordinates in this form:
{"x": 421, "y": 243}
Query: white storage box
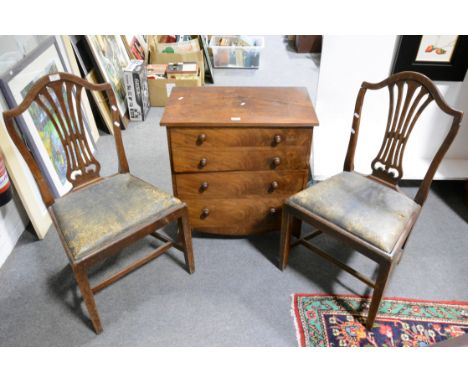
{"x": 236, "y": 51}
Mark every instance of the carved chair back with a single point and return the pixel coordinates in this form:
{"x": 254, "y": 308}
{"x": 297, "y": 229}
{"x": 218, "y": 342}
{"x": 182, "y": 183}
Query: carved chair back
{"x": 59, "y": 95}
{"x": 409, "y": 95}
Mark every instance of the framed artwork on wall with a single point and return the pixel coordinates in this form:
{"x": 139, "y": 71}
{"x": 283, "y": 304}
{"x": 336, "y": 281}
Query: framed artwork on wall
{"x": 440, "y": 57}
{"x": 36, "y": 127}
{"x": 111, "y": 58}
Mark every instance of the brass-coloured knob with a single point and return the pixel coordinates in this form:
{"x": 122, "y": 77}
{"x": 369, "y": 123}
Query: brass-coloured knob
{"x": 202, "y": 163}
{"x": 274, "y": 185}
{"x": 276, "y": 161}
{"x": 277, "y": 139}
{"x": 201, "y": 138}
{"x": 205, "y": 212}
{"x": 203, "y": 186}
{"x": 272, "y": 210}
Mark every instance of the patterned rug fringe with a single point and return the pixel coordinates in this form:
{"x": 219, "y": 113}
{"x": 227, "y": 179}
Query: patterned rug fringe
{"x": 296, "y": 323}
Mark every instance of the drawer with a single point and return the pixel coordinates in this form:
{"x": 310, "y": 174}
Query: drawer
{"x": 240, "y": 137}
{"x": 186, "y": 159}
{"x": 235, "y": 216}
{"x": 237, "y": 184}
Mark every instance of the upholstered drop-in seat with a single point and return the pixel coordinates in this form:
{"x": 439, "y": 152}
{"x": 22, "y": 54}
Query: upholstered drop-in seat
{"x": 363, "y": 207}
{"x": 98, "y": 214}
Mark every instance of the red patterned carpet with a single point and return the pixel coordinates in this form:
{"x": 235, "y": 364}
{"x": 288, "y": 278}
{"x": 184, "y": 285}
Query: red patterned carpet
{"x": 338, "y": 320}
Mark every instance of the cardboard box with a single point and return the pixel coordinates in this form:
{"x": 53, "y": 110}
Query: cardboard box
{"x": 156, "y": 57}
{"x": 191, "y": 45}
{"x": 160, "y": 89}
{"x": 136, "y": 86}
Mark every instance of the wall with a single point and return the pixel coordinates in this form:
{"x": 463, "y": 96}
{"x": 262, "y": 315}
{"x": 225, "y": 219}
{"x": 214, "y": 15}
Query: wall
{"x": 346, "y": 62}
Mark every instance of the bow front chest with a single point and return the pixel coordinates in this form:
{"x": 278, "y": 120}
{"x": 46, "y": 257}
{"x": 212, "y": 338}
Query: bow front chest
{"x": 237, "y": 153}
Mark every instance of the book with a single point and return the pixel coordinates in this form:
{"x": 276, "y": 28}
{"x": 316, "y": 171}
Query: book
{"x": 181, "y": 68}
{"x": 155, "y": 71}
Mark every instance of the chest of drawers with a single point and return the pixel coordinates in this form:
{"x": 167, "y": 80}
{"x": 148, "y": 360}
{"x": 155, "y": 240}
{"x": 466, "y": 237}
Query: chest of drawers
{"x": 237, "y": 152}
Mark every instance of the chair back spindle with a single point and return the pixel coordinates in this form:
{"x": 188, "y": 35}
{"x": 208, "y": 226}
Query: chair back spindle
{"x": 59, "y": 96}
{"x": 62, "y": 104}
{"x": 409, "y": 95}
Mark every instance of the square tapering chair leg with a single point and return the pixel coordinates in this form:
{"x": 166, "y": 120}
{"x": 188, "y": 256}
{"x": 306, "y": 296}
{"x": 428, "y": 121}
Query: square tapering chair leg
{"x": 285, "y": 244}
{"x": 296, "y": 227}
{"x": 400, "y": 255}
{"x": 88, "y": 298}
{"x": 402, "y": 251}
{"x": 380, "y": 285}
{"x": 186, "y": 238}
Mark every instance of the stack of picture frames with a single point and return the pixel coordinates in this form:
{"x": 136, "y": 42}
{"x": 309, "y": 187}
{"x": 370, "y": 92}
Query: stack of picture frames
{"x": 102, "y": 59}
{"x": 54, "y": 54}
{"x": 95, "y": 58}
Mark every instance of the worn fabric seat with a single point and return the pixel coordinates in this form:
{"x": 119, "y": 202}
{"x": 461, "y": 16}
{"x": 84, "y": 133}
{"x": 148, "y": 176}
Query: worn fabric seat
{"x": 365, "y": 208}
{"x": 96, "y": 215}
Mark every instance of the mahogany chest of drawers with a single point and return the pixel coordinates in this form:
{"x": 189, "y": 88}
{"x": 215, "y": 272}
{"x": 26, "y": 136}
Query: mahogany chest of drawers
{"x": 237, "y": 153}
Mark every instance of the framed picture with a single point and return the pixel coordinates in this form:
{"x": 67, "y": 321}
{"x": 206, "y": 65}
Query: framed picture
{"x": 111, "y": 57}
{"x": 101, "y": 102}
{"x": 88, "y": 71}
{"x": 74, "y": 69}
{"x": 35, "y": 126}
{"x": 136, "y": 47}
{"x": 208, "y": 67}
{"x": 440, "y": 57}
{"x": 24, "y": 183}
{"x": 82, "y": 53}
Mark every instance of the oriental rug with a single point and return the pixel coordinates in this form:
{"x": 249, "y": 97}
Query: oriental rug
{"x": 339, "y": 320}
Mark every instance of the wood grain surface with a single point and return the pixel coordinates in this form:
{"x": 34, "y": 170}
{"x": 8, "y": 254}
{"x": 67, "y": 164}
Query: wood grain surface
{"x": 239, "y": 106}
{"x": 236, "y": 216}
{"x": 239, "y": 184}
{"x": 241, "y": 158}
{"x": 239, "y": 137}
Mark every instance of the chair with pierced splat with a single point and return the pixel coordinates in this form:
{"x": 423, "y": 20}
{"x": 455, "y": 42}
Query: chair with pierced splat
{"x": 369, "y": 213}
{"x": 100, "y": 215}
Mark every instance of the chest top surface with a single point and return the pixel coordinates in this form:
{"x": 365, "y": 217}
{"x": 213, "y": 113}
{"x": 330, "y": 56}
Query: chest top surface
{"x": 218, "y": 106}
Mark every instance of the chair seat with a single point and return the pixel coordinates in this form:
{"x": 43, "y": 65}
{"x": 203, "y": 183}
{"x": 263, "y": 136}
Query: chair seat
{"x": 361, "y": 206}
{"x": 94, "y": 216}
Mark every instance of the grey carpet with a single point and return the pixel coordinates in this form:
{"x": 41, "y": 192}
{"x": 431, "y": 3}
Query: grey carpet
{"x": 237, "y": 296}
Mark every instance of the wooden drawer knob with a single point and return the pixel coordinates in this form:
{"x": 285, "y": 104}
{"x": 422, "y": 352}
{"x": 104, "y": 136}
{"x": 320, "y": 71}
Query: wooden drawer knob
{"x": 204, "y": 213}
{"x": 277, "y": 139}
{"x": 276, "y": 161}
{"x": 201, "y": 138}
{"x": 273, "y": 210}
{"x": 202, "y": 163}
{"x": 203, "y": 186}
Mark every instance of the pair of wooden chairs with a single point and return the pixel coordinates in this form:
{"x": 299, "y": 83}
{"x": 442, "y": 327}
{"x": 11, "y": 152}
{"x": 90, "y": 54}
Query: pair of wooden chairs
{"x": 102, "y": 215}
